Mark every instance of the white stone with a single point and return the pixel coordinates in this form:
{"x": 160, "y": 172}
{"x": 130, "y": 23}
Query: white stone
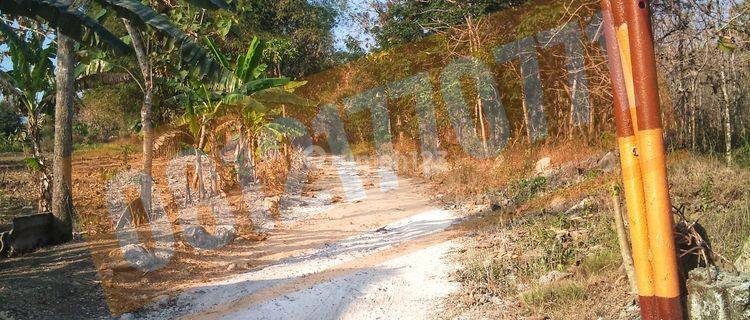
{"x": 543, "y": 165}
{"x": 743, "y": 261}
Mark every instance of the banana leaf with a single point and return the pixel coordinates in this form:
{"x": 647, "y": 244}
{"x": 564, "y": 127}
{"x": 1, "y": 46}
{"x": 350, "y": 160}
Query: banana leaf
{"x": 192, "y": 53}
{"x": 73, "y": 23}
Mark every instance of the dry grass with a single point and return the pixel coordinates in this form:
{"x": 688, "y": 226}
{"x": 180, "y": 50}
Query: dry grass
{"x": 466, "y": 176}
{"x": 17, "y": 193}
{"x": 504, "y": 261}
{"x": 717, "y": 196}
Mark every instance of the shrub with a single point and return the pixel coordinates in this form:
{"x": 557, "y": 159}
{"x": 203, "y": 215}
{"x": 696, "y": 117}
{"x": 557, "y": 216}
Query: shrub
{"x": 11, "y": 142}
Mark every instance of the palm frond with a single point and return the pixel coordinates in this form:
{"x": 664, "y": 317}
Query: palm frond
{"x": 254, "y": 86}
{"x": 193, "y": 55}
{"x": 73, "y": 23}
{"x": 170, "y": 142}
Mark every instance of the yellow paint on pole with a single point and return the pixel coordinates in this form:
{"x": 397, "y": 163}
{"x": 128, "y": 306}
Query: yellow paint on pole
{"x": 635, "y": 203}
{"x": 660, "y": 221}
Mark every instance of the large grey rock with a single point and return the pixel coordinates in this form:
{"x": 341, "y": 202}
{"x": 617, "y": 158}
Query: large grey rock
{"x": 743, "y": 261}
{"x": 199, "y": 238}
{"x": 609, "y": 162}
{"x": 139, "y": 257}
{"x": 28, "y": 233}
{"x": 717, "y": 295}
{"x": 127, "y": 316}
{"x": 553, "y": 276}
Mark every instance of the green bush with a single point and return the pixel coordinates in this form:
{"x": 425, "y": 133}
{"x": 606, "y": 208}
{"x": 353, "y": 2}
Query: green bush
{"x": 10, "y": 122}
{"x": 11, "y": 142}
{"x": 525, "y": 189}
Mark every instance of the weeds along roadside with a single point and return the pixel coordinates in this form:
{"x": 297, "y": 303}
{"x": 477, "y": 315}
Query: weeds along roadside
{"x": 551, "y": 250}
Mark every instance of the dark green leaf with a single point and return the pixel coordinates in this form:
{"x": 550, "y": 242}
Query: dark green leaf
{"x": 34, "y": 164}
{"x": 69, "y": 21}
{"x": 192, "y": 53}
{"x": 214, "y": 4}
{"x": 262, "y": 84}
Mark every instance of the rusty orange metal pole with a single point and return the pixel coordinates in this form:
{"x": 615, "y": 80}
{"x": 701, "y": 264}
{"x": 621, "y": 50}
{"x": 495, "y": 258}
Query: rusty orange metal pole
{"x": 631, "y": 171}
{"x": 652, "y": 158}
{"x": 617, "y": 8}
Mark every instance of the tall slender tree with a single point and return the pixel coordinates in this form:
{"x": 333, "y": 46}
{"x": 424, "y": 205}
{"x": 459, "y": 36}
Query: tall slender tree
{"x": 74, "y": 25}
{"x": 62, "y": 165}
{"x": 30, "y": 86}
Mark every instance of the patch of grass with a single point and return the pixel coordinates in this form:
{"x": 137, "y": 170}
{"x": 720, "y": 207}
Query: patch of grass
{"x": 728, "y": 230}
{"x": 81, "y": 146}
{"x": 603, "y": 260}
{"x": 717, "y": 196}
{"x": 592, "y": 174}
{"x": 490, "y": 277}
{"x": 525, "y": 189}
{"x": 107, "y": 147}
{"x": 552, "y": 235}
{"x": 556, "y": 293}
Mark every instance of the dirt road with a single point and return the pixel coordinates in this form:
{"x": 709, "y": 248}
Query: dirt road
{"x": 378, "y": 253}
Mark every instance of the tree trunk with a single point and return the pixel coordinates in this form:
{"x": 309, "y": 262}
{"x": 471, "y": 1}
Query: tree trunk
{"x": 625, "y": 253}
{"x": 44, "y": 200}
{"x": 216, "y": 185}
{"x": 146, "y": 109}
{"x": 693, "y": 112}
{"x": 243, "y": 173}
{"x": 62, "y": 200}
{"x": 198, "y": 180}
{"x": 251, "y": 157}
{"x": 400, "y": 129}
{"x": 727, "y": 119}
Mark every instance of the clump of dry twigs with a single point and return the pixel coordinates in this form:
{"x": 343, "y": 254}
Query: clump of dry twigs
{"x": 693, "y": 244}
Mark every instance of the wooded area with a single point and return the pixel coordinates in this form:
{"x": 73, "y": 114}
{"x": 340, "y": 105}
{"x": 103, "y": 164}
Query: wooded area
{"x": 230, "y": 98}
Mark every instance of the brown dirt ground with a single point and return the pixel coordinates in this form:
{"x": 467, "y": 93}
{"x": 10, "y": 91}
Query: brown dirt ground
{"x": 103, "y": 292}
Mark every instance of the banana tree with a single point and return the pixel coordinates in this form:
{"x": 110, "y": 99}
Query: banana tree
{"x": 252, "y": 97}
{"x": 138, "y": 18}
{"x": 239, "y": 102}
{"x": 202, "y": 108}
{"x": 30, "y": 86}
{"x": 72, "y": 25}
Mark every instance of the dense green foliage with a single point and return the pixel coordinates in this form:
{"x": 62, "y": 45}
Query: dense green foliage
{"x": 10, "y": 122}
{"x": 298, "y": 33}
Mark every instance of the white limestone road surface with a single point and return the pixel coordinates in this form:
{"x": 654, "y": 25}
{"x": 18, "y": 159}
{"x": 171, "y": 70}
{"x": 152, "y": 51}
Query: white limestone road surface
{"x": 397, "y": 271}
{"x": 348, "y": 279}
{"x": 408, "y": 287}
